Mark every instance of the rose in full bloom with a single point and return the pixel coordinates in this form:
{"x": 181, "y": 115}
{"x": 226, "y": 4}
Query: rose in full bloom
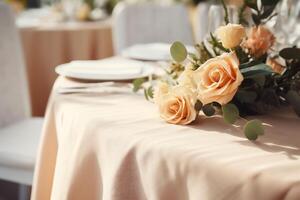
{"x": 259, "y": 41}
{"x": 176, "y": 105}
{"x": 231, "y": 35}
{"x": 218, "y": 79}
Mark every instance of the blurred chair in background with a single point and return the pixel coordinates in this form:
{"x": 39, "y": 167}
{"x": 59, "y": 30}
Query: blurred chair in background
{"x": 201, "y": 27}
{"x": 150, "y": 23}
{"x": 19, "y": 134}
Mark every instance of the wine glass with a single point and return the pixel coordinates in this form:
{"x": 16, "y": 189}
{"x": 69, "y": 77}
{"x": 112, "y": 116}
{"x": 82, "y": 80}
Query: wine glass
{"x": 215, "y": 17}
{"x": 288, "y": 21}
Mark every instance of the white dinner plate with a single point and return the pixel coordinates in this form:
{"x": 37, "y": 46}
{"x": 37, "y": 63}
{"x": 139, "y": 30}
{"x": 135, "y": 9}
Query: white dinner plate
{"x": 150, "y": 52}
{"x": 106, "y": 69}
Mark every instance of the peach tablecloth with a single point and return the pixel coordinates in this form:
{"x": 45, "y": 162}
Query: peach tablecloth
{"x": 113, "y": 146}
{"x": 48, "y": 45}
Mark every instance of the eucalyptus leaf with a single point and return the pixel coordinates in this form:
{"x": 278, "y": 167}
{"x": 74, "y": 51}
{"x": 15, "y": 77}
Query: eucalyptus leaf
{"x": 198, "y": 106}
{"x": 230, "y": 113}
{"x": 146, "y": 94}
{"x": 150, "y": 92}
{"x": 256, "y": 70}
{"x": 137, "y": 84}
{"x": 178, "y": 51}
{"x": 290, "y": 53}
{"x": 294, "y": 99}
{"x": 252, "y": 4}
{"x": 253, "y": 129}
{"x": 268, "y": 10}
{"x": 208, "y": 110}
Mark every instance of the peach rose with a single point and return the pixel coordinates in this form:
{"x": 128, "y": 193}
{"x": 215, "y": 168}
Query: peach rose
{"x": 259, "y": 41}
{"x": 218, "y": 79}
{"x": 231, "y": 35}
{"x": 176, "y": 106}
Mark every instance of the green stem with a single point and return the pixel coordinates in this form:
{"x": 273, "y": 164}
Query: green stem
{"x": 226, "y": 12}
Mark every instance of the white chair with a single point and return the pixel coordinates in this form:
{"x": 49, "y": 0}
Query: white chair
{"x": 150, "y": 23}
{"x": 19, "y": 133}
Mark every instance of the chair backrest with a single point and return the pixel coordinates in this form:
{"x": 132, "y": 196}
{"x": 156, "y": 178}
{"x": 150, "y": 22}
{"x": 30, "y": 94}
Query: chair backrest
{"x": 149, "y": 23}
{"x": 201, "y": 28}
{"x": 14, "y": 98}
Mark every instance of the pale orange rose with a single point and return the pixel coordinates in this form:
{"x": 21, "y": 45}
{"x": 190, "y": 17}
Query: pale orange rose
{"x": 231, "y": 35}
{"x": 218, "y": 79}
{"x": 276, "y": 66}
{"x": 176, "y": 106}
{"x": 259, "y": 41}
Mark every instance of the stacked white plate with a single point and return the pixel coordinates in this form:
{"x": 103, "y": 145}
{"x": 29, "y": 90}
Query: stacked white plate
{"x": 151, "y": 52}
{"x": 106, "y": 69}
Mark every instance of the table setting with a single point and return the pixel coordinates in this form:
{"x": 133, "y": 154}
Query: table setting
{"x": 59, "y": 38}
{"x": 219, "y": 120}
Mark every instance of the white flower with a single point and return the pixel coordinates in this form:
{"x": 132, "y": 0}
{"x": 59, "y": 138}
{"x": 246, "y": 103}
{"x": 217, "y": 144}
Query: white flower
{"x": 231, "y": 35}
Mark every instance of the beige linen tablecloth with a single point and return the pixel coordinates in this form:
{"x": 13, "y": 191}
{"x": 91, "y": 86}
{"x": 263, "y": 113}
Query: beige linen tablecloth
{"x": 48, "y": 45}
{"x": 113, "y": 146}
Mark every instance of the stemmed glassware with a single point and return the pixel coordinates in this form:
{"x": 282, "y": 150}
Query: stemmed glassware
{"x": 288, "y": 22}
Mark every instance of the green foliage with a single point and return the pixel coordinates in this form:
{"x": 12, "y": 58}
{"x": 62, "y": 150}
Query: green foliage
{"x": 246, "y": 96}
{"x": 208, "y": 110}
{"x": 148, "y": 93}
{"x": 203, "y": 52}
{"x": 216, "y": 44}
{"x": 264, "y": 13}
{"x": 226, "y": 19}
{"x": 253, "y": 129}
{"x": 290, "y": 53}
{"x": 260, "y": 69}
{"x": 137, "y": 84}
{"x": 178, "y": 52}
{"x": 91, "y": 3}
{"x": 198, "y": 106}
{"x": 230, "y": 113}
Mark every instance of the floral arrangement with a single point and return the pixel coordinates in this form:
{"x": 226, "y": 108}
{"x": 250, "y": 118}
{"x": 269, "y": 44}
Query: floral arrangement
{"x": 236, "y": 72}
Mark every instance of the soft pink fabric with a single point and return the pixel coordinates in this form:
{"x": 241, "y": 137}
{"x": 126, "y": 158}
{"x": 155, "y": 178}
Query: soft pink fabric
{"x": 49, "y": 45}
{"x": 114, "y": 146}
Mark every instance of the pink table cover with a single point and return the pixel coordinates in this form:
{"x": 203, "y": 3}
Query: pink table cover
{"x": 114, "y": 146}
{"x": 48, "y": 45}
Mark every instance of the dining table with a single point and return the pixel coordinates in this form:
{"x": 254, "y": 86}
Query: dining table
{"x": 48, "y": 43}
{"x": 112, "y": 145}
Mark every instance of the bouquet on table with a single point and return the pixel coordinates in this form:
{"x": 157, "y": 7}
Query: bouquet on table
{"x": 236, "y": 72}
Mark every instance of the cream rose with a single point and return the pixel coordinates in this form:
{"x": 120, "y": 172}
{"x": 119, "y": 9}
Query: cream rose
{"x": 176, "y": 106}
{"x": 231, "y": 35}
{"x": 218, "y": 79}
{"x": 187, "y": 79}
{"x": 161, "y": 90}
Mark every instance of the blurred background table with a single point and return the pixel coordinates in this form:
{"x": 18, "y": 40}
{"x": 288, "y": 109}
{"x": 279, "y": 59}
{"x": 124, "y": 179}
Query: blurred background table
{"x": 49, "y": 44}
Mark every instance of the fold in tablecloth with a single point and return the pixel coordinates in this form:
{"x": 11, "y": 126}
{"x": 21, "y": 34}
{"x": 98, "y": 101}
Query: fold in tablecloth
{"x": 115, "y": 147}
